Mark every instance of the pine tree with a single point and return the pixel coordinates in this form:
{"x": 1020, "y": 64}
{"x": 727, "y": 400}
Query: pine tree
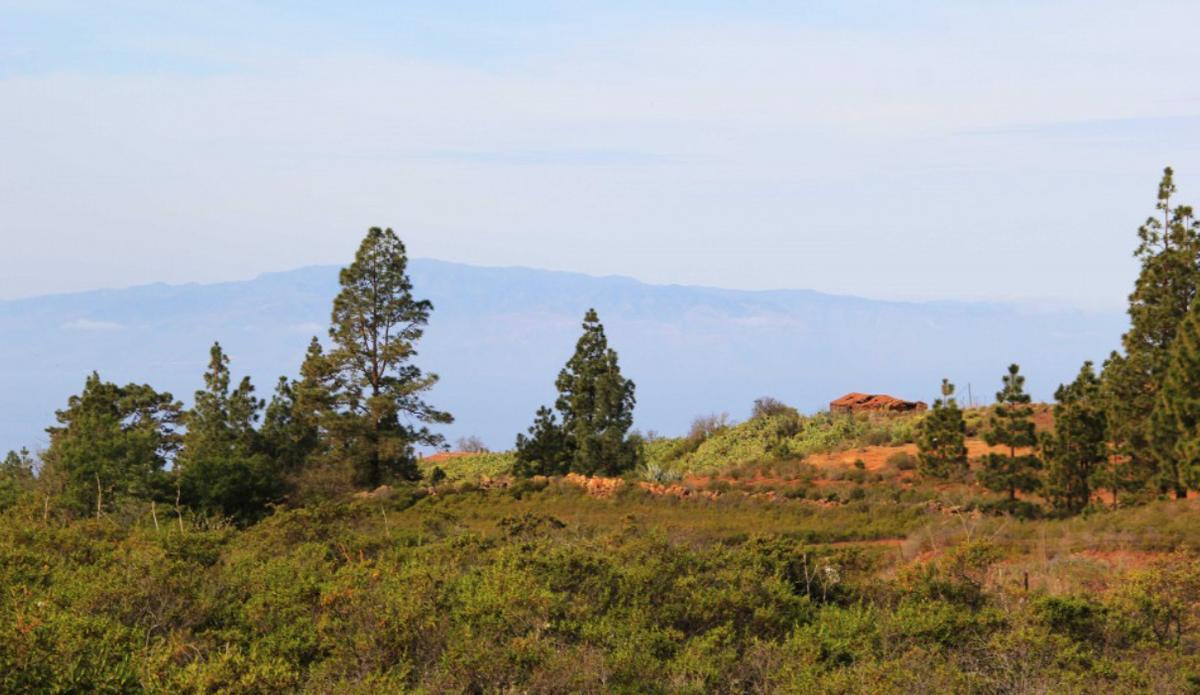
{"x": 378, "y": 415}
{"x": 1175, "y": 422}
{"x": 1077, "y": 451}
{"x": 941, "y": 446}
{"x": 289, "y": 437}
{"x": 112, "y": 443}
{"x": 596, "y": 404}
{"x": 314, "y": 431}
{"x": 16, "y": 478}
{"x": 1169, "y": 252}
{"x": 545, "y": 450}
{"x": 1011, "y": 425}
{"x": 314, "y": 398}
{"x": 224, "y": 467}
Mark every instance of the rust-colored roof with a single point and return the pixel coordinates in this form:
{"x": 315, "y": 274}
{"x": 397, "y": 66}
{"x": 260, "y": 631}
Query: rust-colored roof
{"x": 854, "y": 402}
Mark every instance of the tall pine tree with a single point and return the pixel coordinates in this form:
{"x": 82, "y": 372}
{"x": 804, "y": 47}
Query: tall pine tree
{"x": 941, "y": 445}
{"x": 378, "y": 415}
{"x": 1077, "y": 451}
{"x": 1011, "y": 425}
{"x": 1169, "y": 253}
{"x": 1175, "y": 422}
{"x": 596, "y": 403}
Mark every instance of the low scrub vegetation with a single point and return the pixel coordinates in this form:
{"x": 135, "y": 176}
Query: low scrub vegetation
{"x": 775, "y": 436}
{"x": 544, "y": 588}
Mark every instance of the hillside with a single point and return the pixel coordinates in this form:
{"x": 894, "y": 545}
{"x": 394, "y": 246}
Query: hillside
{"x": 499, "y": 335}
{"x": 786, "y": 576}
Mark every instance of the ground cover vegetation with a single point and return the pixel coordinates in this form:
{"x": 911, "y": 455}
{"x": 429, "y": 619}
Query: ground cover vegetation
{"x": 304, "y": 543}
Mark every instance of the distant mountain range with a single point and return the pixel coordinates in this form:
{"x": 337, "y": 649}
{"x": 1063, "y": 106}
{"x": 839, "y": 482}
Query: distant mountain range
{"x": 498, "y": 337}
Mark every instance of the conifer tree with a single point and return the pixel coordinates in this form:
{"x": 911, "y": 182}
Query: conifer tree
{"x": 1169, "y": 253}
{"x": 314, "y": 397}
{"x": 941, "y": 447}
{"x": 545, "y": 450}
{"x": 224, "y": 467}
{"x": 1011, "y": 425}
{"x": 16, "y": 477}
{"x": 288, "y": 437}
{"x": 596, "y": 404}
{"x": 293, "y": 420}
{"x": 311, "y": 435}
{"x": 1175, "y": 422}
{"x": 1077, "y": 450}
{"x": 112, "y": 443}
{"x": 379, "y": 416}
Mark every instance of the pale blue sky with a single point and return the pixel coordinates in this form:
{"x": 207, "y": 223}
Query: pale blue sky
{"x": 921, "y": 150}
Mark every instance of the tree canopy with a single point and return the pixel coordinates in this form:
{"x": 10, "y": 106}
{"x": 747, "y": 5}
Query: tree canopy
{"x": 113, "y": 442}
{"x": 1011, "y": 425}
{"x": 596, "y": 405}
{"x": 941, "y": 445}
{"x": 1169, "y": 255}
{"x": 1077, "y": 451}
{"x": 376, "y": 414}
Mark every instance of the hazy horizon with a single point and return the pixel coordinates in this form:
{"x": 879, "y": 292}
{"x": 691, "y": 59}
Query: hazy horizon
{"x": 1032, "y": 303}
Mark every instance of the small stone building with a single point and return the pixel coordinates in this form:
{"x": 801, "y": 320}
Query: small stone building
{"x": 874, "y": 403}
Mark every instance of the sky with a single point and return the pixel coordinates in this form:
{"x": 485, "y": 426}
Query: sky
{"x": 900, "y": 150}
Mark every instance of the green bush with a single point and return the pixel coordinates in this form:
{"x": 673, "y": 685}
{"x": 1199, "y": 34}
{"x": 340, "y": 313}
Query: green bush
{"x": 902, "y": 461}
{"x": 540, "y": 587}
{"x": 1078, "y": 617}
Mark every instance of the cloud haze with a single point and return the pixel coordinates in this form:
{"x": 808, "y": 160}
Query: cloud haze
{"x": 896, "y": 150}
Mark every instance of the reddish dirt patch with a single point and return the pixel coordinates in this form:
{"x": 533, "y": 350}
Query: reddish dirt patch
{"x": 875, "y": 457}
{"x": 1043, "y": 417}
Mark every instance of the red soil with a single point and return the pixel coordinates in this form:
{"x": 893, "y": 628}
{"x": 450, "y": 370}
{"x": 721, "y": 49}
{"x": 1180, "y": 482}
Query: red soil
{"x": 875, "y": 457}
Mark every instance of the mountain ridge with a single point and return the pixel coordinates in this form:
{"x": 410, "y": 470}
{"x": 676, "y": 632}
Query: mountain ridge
{"x": 499, "y": 335}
